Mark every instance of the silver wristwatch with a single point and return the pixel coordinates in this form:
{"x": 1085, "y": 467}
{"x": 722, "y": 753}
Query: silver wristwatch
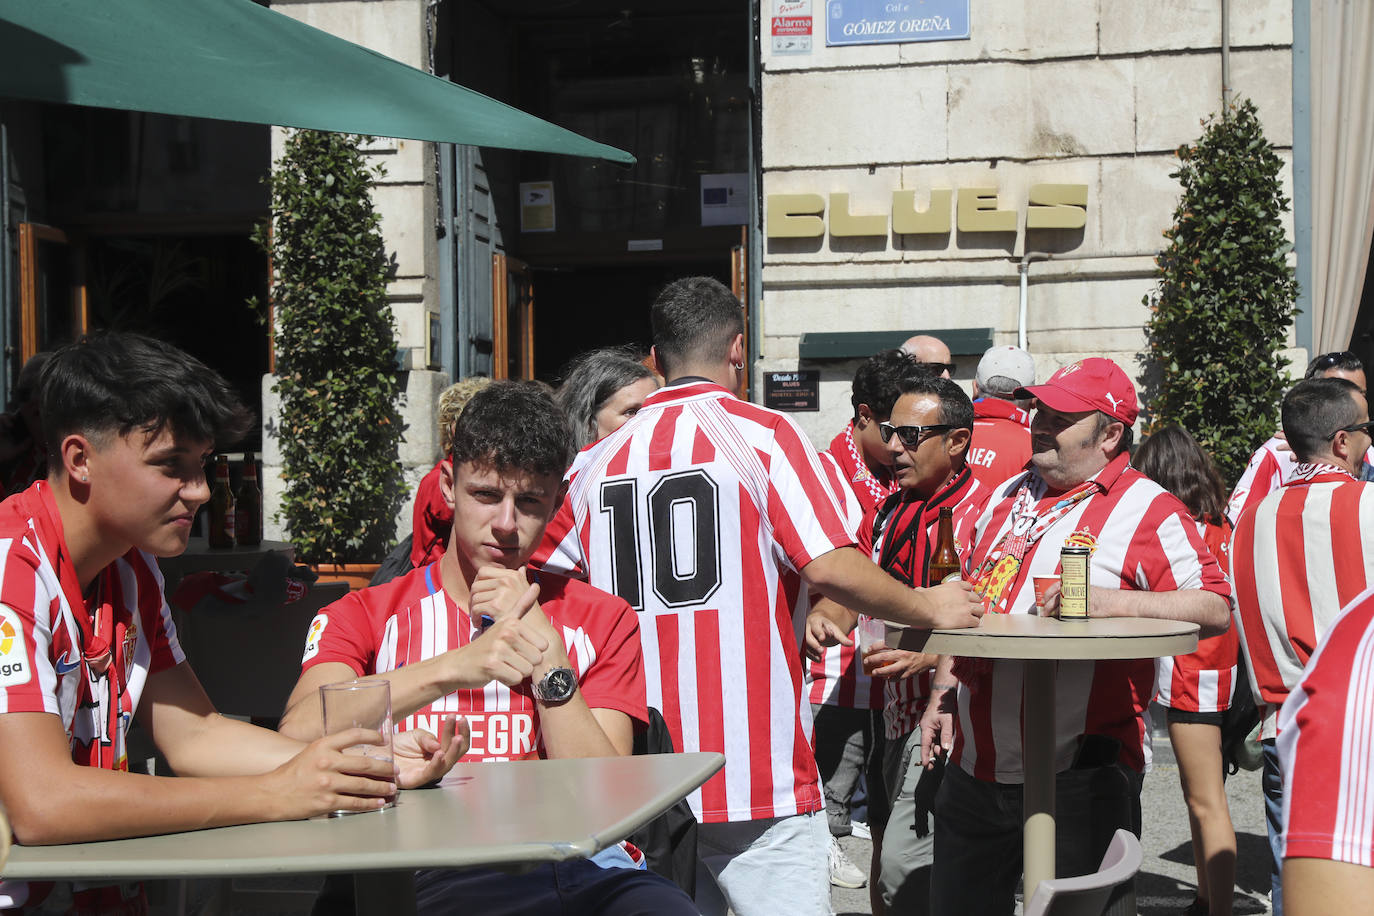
{"x": 557, "y": 685}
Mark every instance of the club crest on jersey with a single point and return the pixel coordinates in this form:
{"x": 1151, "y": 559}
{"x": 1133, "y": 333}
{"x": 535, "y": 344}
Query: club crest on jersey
{"x": 862, "y": 474}
{"x": 312, "y": 638}
{"x": 1082, "y": 539}
{"x": 130, "y": 643}
{"x": 14, "y": 658}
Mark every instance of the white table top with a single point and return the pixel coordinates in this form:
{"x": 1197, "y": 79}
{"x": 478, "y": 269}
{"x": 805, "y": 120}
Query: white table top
{"x": 495, "y": 813}
{"x": 1026, "y": 636}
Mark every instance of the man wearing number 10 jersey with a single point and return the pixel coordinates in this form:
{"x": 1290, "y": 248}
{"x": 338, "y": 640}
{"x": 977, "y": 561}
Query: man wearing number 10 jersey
{"x": 706, "y": 513}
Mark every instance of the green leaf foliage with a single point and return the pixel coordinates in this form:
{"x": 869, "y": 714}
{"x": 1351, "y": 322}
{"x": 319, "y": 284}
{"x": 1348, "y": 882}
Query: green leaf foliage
{"x": 335, "y": 342}
{"x": 1225, "y": 297}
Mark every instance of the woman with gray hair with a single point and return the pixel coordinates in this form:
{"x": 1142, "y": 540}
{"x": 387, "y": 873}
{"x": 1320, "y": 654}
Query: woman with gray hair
{"x": 601, "y": 390}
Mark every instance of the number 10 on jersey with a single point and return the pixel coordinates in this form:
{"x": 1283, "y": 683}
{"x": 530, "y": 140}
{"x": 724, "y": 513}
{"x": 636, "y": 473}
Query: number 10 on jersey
{"x": 683, "y": 510}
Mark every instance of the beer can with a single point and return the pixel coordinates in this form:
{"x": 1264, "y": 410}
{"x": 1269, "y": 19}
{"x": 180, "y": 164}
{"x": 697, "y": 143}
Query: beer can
{"x": 1073, "y": 583}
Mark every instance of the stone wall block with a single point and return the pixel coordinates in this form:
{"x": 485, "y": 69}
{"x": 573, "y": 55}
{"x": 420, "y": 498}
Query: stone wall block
{"x": 834, "y": 118}
{"x": 1142, "y": 199}
{"x": 403, "y": 226}
{"x": 1048, "y": 110}
{"x": 395, "y": 28}
{"x": 1132, "y": 27}
{"x": 1266, "y": 77}
{"x": 420, "y": 444}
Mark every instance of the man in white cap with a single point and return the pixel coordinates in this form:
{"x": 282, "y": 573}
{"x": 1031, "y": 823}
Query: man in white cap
{"x": 932, "y": 353}
{"x": 1001, "y": 424}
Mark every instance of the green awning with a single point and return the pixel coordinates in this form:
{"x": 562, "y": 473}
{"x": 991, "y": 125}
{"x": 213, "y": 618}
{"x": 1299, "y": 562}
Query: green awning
{"x": 236, "y": 61}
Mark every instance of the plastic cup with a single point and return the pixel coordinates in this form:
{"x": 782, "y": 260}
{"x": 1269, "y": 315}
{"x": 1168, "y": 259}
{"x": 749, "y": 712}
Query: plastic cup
{"x": 360, "y": 704}
{"x": 871, "y": 635}
{"x": 1042, "y": 585}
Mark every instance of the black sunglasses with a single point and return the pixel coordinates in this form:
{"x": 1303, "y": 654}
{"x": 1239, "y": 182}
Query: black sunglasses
{"x": 1366, "y": 427}
{"x": 1327, "y": 360}
{"x": 911, "y": 436}
{"x": 937, "y": 368}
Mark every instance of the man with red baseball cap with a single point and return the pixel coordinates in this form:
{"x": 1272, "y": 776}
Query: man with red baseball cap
{"x": 1147, "y": 560}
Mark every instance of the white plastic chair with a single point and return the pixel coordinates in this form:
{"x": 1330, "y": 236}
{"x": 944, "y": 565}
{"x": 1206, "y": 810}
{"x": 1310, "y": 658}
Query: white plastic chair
{"x": 1089, "y": 895}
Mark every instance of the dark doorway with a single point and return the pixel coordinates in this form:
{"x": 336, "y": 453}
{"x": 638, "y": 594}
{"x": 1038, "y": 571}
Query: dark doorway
{"x": 584, "y": 308}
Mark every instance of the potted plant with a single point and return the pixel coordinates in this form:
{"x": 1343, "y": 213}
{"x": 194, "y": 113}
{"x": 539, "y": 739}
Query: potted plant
{"x": 339, "y": 425}
{"x": 1220, "y": 314}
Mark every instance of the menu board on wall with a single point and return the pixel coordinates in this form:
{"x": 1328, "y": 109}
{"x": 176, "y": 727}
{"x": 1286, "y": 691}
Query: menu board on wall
{"x": 800, "y": 390}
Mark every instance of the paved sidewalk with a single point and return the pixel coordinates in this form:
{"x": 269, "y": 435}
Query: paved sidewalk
{"x": 1167, "y": 881}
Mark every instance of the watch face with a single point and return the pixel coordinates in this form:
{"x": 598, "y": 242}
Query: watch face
{"x": 558, "y": 684}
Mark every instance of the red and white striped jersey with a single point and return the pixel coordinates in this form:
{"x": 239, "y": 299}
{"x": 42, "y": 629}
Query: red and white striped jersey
{"x": 700, "y": 512}
{"x": 41, "y": 668}
{"x": 1001, "y": 443}
{"x": 904, "y": 699}
{"x": 412, "y": 618}
{"x": 1296, "y": 559}
{"x": 1141, "y": 539}
{"x": 837, "y": 678}
{"x": 1204, "y": 680}
{"x": 1270, "y": 467}
{"x": 1326, "y": 745}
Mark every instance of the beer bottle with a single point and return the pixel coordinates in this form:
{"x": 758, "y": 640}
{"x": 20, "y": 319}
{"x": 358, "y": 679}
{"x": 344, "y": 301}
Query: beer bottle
{"x": 944, "y": 562}
{"x": 221, "y": 506}
{"x": 248, "y": 505}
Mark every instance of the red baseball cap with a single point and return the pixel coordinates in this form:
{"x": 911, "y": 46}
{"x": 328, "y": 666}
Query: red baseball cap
{"x": 1094, "y": 383}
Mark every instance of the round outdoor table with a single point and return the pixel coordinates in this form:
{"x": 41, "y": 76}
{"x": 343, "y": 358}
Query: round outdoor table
{"x": 1042, "y": 642}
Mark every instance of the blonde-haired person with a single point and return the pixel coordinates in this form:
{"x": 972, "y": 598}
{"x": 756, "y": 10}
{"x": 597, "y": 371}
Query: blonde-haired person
{"x": 432, "y": 516}
{"x": 452, "y": 400}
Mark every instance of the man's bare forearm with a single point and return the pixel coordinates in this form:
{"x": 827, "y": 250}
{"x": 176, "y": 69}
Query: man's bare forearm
{"x": 1207, "y": 609}
{"x": 852, "y": 580}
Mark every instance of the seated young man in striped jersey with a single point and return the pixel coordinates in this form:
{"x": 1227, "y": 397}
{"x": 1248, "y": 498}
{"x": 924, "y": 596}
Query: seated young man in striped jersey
{"x": 87, "y": 641}
{"x": 540, "y": 665}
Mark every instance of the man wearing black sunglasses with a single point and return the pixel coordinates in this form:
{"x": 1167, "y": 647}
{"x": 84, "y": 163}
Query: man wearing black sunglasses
{"x": 844, "y": 700}
{"x": 1273, "y": 462}
{"x": 927, "y": 440}
{"x": 1299, "y": 556}
{"x": 932, "y": 353}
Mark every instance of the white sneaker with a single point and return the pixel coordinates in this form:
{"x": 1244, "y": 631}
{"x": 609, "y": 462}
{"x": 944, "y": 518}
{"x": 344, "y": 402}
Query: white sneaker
{"x": 861, "y": 830}
{"x": 844, "y": 873}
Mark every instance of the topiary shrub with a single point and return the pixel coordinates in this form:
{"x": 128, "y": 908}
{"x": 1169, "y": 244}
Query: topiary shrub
{"x": 1225, "y": 298}
{"x": 335, "y": 344}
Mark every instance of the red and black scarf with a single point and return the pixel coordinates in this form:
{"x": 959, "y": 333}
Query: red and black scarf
{"x": 902, "y": 528}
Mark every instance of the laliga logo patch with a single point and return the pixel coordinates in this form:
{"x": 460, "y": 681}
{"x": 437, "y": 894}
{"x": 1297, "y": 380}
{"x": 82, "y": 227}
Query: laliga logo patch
{"x": 1081, "y": 539}
{"x": 312, "y": 638}
{"x": 14, "y": 660}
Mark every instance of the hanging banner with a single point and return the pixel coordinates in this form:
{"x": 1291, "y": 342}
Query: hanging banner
{"x": 876, "y": 22}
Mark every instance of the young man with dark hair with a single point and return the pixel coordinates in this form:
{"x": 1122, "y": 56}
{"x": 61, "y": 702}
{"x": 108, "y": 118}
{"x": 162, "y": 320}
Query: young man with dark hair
{"x": 1297, "y": 557}
{"x": 1273, "y": 462}
{"x": 87, "y": 642}
{"x": 843, "y": 698}
{"x": 707, "y": 513}
{"x": 927, "y": 438}
{"x": 540, "y": 665}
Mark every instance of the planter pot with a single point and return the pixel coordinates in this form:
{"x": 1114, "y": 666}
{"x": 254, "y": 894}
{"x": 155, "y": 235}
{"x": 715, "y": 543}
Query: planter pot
{"x": 357, "y": 575}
